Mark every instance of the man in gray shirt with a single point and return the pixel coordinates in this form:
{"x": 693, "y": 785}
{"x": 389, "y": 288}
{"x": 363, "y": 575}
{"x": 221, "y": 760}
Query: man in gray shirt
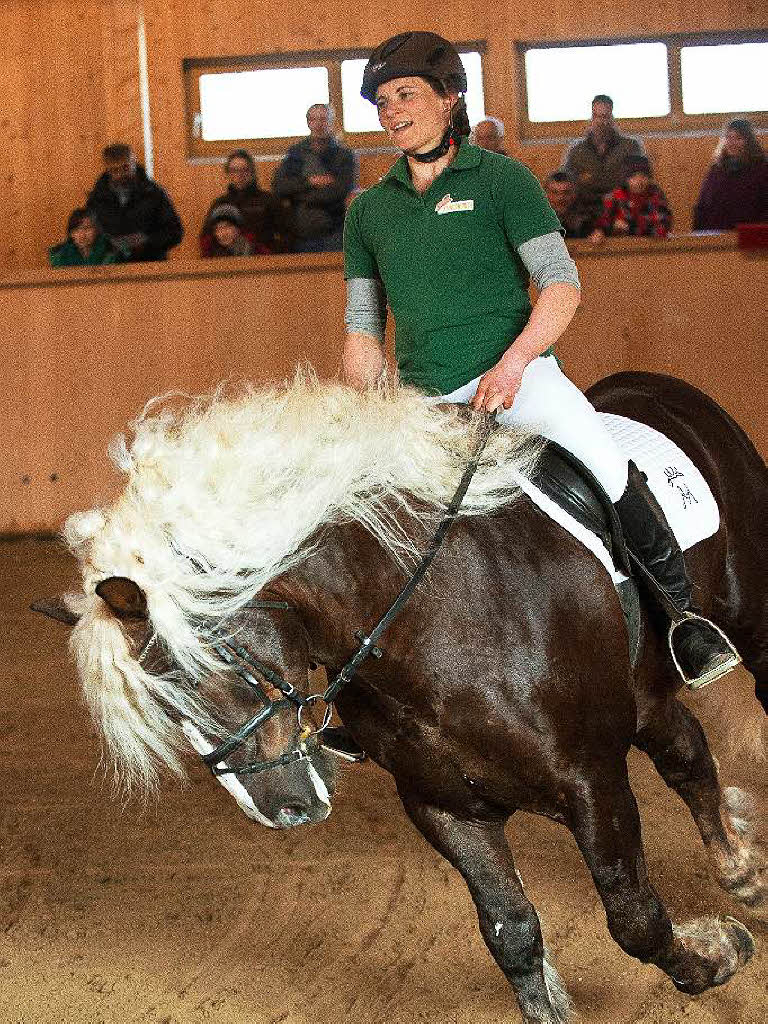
{"x": 596, "y": 162}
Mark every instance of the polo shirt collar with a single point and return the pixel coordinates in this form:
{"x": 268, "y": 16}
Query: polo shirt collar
{"x": 467, "y": 156}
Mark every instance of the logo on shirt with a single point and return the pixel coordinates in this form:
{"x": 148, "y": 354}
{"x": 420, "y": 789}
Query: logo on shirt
{"x": 449, "y": 205}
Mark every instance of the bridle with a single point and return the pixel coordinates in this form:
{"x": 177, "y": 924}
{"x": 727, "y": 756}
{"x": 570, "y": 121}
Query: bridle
{"x": 245, "y": 665}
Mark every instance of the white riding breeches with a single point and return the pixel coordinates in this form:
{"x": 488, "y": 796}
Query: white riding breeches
{"x": 549, "y": 404}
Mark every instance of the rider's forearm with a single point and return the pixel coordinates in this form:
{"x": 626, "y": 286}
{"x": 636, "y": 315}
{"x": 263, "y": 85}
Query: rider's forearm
{"x": 553, "y": 311}
{"x": 363, "y": 361}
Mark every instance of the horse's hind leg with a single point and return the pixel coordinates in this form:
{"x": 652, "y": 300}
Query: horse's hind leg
{"x": 606, "y": 825}
{"x": 508, "y": 921}
{"x": 675, "y": 742}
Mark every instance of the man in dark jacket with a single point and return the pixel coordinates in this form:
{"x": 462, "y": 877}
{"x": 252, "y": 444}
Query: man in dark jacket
{"x": 596, "y": 162}
{"x": 316, "y": 177}
{"x": 133, "y": 210}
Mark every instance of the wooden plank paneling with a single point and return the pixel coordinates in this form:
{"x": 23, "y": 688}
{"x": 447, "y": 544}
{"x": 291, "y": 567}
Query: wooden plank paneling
{"x": 71, "y": 80}
{"x": 97, "y": 347}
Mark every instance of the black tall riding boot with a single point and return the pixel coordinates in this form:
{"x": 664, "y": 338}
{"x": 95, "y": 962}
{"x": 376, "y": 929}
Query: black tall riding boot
{"x": 701, "y": 651}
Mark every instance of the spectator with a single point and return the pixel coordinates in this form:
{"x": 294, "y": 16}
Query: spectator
{"x": 133, "y": 210}
{"x": 637, "y": 207}
{"x": 489, "y": 134}
{"x": 596, "y": 162}
{"x": 316, "y": 177}
{"x": 262, "y": 215}
{"x": 735, "y": 190}
{"x": 561, "y": 193}
{"x": 86, "y": 244}
{"x": 225, "y": 235}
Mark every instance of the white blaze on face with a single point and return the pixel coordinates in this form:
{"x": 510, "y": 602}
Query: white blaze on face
{"x": 320, "y": 787}
{"x": 230, "y": 782}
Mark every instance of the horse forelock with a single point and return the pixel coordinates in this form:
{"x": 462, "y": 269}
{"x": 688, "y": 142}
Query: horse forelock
{"x": 130, "y": 706}
{"x": 223, "y": 494}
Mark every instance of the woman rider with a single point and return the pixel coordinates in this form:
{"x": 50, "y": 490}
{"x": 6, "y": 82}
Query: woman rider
{"x": 449, "y": 238}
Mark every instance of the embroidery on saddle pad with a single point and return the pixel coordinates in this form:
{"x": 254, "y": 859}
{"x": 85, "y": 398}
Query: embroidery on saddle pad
{"x": 679, "y": 487}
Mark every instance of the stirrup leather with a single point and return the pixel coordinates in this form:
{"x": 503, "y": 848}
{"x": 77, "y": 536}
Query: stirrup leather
{"x": 697, "y": 682}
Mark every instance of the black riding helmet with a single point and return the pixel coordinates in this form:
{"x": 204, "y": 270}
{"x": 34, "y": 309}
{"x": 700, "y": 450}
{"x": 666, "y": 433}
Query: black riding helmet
{"x": 414, "y": 54}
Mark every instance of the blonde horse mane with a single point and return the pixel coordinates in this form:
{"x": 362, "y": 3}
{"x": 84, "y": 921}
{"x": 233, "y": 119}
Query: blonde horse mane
{"x": 224, "y": 493}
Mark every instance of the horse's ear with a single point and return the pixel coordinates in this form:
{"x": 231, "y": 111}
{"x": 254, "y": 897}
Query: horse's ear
{"x": 125, "y": 597}
{"x": 56, "y": 608}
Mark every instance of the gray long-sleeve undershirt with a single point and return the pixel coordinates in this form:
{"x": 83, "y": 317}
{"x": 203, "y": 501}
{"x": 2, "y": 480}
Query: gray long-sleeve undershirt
{"x": 546, "y": 259}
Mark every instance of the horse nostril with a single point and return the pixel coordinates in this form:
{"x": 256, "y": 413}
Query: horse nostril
{"x": 292, "y": 814}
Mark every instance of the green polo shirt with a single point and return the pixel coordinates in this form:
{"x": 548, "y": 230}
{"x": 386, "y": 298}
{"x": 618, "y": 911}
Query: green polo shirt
{"x": 456, "y": 286}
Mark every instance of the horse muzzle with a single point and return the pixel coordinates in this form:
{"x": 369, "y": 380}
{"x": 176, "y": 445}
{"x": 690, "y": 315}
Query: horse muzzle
{"x": 295, "y": 795}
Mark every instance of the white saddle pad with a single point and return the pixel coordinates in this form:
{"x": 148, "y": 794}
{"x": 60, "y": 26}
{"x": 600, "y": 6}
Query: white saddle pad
{"x": 679, "y": 487}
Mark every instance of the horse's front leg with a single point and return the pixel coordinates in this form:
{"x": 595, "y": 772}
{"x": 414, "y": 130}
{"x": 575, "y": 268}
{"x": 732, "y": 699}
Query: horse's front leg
{"x": 508, "y": 921}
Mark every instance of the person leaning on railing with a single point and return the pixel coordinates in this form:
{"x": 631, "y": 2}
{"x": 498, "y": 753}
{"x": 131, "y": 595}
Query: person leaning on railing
{"x": 86, "y": 245}
{"x": 637, "y": 208}
{"x": 735, "y": 189}
{"x": 264, "y": 221}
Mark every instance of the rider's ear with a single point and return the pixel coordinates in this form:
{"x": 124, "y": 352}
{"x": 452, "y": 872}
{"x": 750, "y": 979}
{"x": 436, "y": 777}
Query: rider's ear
{"x": 125, "y": 597}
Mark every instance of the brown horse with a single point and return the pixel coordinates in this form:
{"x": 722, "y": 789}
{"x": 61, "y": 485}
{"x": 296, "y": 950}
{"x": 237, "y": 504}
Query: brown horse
{"x": 505, "y": 684}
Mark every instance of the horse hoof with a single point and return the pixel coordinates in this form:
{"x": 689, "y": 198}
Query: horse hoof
{"x": 713, "y": 951}
{"x": 742, "y": 940}
{"x": 291, "y": 815}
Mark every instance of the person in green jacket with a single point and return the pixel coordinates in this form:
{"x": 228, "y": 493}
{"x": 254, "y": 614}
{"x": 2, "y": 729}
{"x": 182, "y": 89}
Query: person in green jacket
{"x": 86, "y": 244}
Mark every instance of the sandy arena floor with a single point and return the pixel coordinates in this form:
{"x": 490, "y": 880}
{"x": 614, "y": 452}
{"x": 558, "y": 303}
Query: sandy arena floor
{"x": 188, "y": 913}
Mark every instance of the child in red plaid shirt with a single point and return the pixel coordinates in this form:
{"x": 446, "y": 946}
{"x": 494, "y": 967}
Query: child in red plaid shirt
{"x": 637, "y": 207}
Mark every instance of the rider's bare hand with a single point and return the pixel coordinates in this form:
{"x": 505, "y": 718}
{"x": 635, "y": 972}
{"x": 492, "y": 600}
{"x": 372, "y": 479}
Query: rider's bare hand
{"x": 498, "y": 387}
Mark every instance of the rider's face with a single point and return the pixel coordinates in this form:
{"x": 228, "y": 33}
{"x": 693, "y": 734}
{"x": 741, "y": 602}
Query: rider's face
{"x": 412, "y": 114}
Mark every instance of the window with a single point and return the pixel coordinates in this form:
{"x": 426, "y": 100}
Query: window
{"x": 241, "y": 104}
{"x": 634, "y": 75}
{"x": 731, "y": 78}
{"x": 262, "y": 102}
{"x": 675, "y": 82}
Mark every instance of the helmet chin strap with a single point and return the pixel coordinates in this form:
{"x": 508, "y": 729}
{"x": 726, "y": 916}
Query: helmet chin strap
{"x": 440, "y": 149}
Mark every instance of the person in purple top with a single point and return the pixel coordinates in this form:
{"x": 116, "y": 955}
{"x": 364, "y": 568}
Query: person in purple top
{"x": 735, "y": 190}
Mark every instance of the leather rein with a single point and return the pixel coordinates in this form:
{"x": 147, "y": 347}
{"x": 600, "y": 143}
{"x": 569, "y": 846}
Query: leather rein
{"x": 248, "y": 668}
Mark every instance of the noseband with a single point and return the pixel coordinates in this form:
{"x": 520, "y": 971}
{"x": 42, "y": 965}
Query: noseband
{"x": 248, "y": 668}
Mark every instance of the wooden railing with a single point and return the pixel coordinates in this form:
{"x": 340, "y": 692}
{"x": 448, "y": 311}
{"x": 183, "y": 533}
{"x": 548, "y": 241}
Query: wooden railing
{"x": 84, "y": 349}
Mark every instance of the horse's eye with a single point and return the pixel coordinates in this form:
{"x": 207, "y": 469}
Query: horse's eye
{"x": 313, "y": 665}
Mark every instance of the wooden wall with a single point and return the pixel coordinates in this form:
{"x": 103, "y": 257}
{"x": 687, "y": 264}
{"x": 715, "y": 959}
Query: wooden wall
{"x": 71, "y": 84}
{"x": 90, "y": 348}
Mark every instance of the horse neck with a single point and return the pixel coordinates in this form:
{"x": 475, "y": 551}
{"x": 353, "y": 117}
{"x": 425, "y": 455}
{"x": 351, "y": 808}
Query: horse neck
{"x": 345, "y": 585}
